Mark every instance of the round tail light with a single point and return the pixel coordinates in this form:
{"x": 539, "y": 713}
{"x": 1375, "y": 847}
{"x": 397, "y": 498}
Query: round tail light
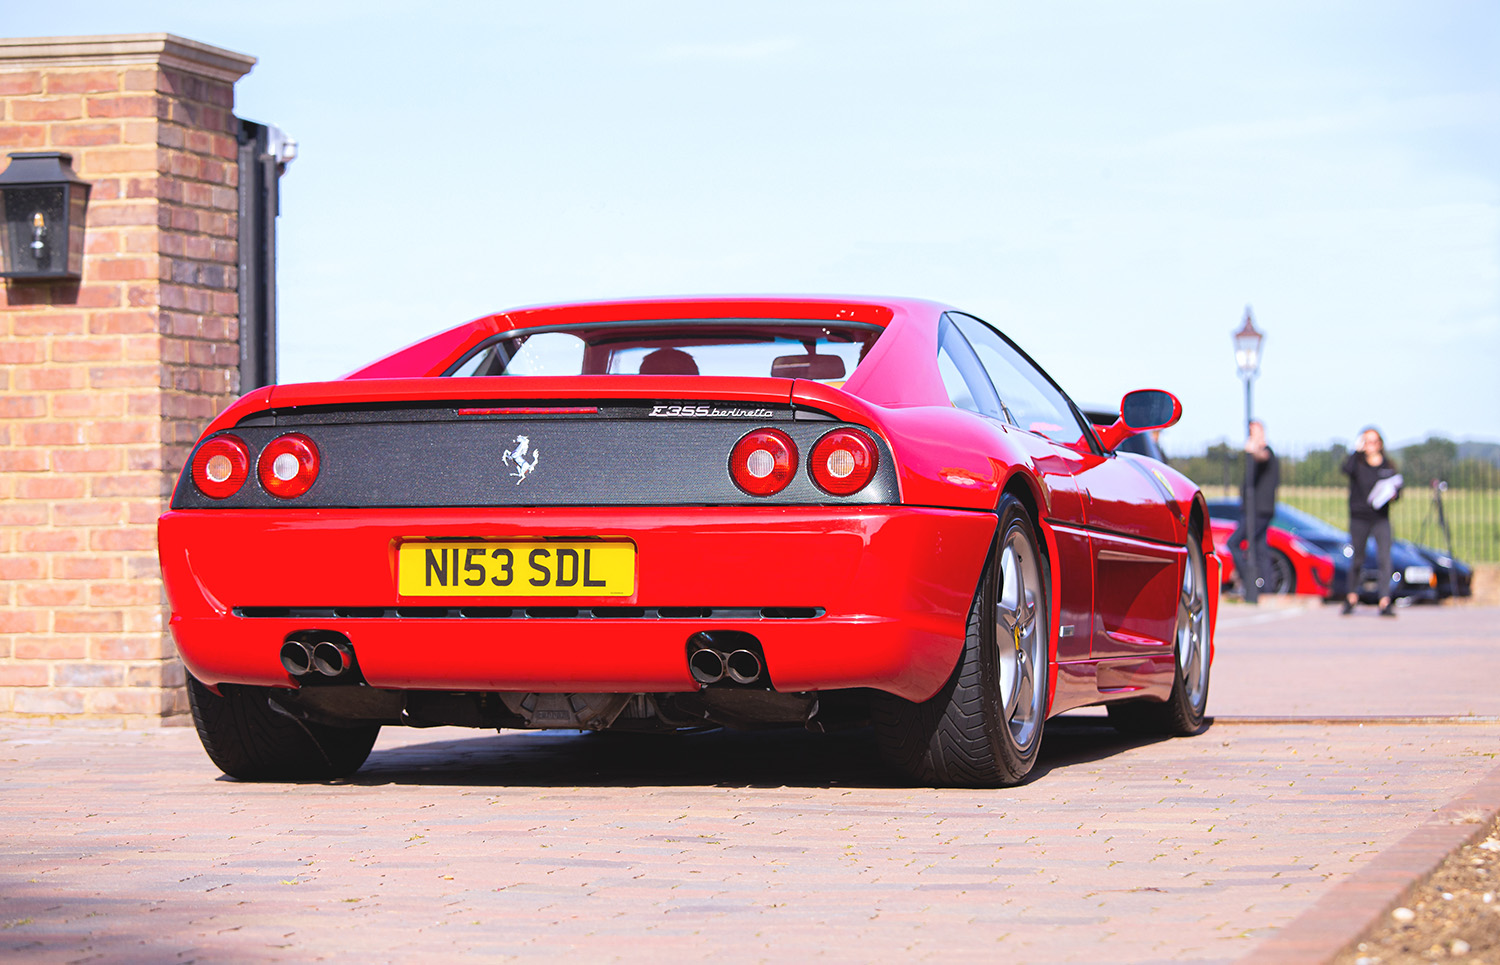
{"x": 220, "y": 466}
{"x": 763, "y": 462}
{"x": 289, "y": 465}
{"x": 843, "y": 462}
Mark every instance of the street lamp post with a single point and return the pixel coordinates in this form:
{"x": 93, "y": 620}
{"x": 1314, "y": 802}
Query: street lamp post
{"x": 1247, "y": 357}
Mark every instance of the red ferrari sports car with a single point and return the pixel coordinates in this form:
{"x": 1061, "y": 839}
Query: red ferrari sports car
{"x": 677, "y": 514}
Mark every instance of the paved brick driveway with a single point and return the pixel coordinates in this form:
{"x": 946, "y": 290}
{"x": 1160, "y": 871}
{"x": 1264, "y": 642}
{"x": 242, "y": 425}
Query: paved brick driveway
{"x": 125, "y": 846}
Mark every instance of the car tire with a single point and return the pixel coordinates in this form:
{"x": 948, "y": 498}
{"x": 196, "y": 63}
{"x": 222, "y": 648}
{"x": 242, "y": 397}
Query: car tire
{"x": 250, "y": 741}
{"x": 1183, "y": 712}
{"x": 1283, "y": 574}
{"x": 983, "y": 728}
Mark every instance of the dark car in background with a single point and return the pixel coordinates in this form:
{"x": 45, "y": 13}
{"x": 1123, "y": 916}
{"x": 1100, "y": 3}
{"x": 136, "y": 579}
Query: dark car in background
{"x": 1419, "y": 573}
{"x": 1454, "y": 577}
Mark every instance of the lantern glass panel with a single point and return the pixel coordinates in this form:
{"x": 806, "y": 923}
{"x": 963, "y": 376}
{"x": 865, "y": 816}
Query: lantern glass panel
{"x": 37, "y": 230}
{"x": 1247, "y": 350}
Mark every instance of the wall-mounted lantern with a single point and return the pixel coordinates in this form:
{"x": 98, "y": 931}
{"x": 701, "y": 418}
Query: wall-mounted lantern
{"x": 42, "y": 206}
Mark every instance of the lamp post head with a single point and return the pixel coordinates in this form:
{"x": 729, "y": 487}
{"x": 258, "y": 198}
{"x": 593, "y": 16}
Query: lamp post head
{"x": 1247, "y": 346}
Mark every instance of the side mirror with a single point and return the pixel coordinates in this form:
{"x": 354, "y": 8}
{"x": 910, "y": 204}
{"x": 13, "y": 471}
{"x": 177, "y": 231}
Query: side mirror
{"x": 1146, "y": 409}
{"x": 1141, "y": 411}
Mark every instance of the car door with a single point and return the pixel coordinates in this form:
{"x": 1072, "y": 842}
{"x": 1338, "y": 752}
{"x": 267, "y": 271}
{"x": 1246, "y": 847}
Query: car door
{"x": 1137, "y": 572}
{"x": 1126, "y": 522}
{"x": 971, "y": 387}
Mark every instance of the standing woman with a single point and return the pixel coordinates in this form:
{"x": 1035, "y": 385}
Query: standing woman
{"x": 1373, "y": 485}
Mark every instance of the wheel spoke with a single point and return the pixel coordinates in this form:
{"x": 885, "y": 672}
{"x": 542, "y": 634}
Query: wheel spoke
{"x": 1014, "y": 615}
{"x": 1026, "y": 616}
{"x": 1188, "y": 647}
{"x": 1185, "y": 654}
{"x": 1192, "y": 632}
{"x": 1020, "y": 639}
{"x": 1011, "y": 588}
{"x": 1189, "y": 582}
{"x": 1009, "y": 671}
{"x": 1016, "y": 607}
{"x": 1020, "y": 706}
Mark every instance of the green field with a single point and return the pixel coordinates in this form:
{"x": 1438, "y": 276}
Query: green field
{"x": 1473, "y": 515}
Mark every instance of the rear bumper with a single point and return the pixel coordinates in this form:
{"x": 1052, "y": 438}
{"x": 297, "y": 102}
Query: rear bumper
{"x": 892, "y": 585}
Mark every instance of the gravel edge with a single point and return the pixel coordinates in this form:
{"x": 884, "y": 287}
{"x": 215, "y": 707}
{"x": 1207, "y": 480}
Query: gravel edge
{"x": 1355, "y": 907}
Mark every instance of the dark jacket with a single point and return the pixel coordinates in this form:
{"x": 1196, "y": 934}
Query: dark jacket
{"x": 1362, "y": 479}
{"x": 1267, "y": 478}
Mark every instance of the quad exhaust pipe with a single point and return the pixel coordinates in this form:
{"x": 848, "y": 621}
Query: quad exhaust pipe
{"x": 332, "y": 658}
{"x": 715, "y": 657}
{"x": 323, "y": 653}
{"x": 742, "y": 666}
{"x": 707, "y": 665}
{"x": 296, "y": 657}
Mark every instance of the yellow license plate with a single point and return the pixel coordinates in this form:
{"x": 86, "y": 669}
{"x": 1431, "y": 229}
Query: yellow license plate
{"x": 584, "y": 568}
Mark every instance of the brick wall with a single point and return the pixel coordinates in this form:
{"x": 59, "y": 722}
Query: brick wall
{"x": 105, "y": 383}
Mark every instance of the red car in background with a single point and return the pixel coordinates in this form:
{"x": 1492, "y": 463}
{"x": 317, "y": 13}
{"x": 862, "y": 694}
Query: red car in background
{"x": 1297, "y": 566}
{"x": 665, "y": 515}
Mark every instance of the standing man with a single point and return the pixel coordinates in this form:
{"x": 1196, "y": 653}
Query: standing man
{"x": 1258, "y": 492}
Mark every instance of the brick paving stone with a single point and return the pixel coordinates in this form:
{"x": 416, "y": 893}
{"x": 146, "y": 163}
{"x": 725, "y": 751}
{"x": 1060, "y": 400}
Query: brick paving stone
{"x": 1306, "y": 659}
{"x": 126, "y": 845}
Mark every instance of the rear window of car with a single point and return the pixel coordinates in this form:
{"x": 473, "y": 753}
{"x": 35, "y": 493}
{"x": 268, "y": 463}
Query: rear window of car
{"x": 789, "y": 348}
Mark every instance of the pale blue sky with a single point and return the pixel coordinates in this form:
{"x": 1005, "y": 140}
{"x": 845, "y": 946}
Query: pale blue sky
{"x": 1111, "y": 183}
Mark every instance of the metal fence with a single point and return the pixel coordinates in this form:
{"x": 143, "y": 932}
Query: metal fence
{"x": 1450, "y": 502}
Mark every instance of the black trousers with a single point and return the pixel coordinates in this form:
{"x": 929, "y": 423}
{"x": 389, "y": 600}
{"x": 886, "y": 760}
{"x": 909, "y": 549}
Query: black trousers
{"x": 1259, "y": 547}
{"x": 1360, "y": 531}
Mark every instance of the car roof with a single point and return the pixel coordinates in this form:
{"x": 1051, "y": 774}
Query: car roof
{"x": 429, "y": 355}
{"x": 870, "y": 311}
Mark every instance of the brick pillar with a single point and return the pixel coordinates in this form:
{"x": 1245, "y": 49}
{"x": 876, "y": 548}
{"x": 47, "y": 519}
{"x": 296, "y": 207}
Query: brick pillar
{"x": 105, "y": 383}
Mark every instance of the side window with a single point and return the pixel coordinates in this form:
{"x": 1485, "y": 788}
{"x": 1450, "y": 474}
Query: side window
{"x": 546, "y": 353}
{"x": 963, "y": 376}
{"x": 958, "y": 390}
{"x": 1029, "y": 399}
{"x": 489, "y": 360}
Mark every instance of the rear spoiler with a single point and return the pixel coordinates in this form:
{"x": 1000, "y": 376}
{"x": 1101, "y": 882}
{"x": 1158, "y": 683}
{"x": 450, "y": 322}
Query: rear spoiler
{"x": 580, "y": 388}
